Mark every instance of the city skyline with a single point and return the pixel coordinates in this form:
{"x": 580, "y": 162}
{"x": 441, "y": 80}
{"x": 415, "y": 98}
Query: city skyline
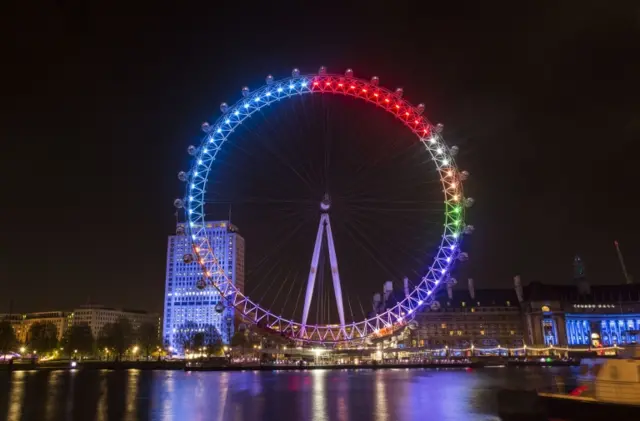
{"x": 543, "y": 123}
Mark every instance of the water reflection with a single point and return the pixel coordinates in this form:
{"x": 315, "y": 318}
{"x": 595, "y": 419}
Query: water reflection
{"x": 322, "y": 395}
{"x": 16, "y": 396}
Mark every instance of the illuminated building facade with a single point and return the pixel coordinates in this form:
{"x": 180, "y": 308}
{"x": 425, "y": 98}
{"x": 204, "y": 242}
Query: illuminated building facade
{"x": 60, "y": 319}
{"x": 574, "y": 315}
{"x": 188, "y": 308}
{"x": 484, "y": 318}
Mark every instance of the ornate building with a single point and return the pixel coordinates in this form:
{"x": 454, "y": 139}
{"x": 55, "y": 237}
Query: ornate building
{"x": 484, "y": 318}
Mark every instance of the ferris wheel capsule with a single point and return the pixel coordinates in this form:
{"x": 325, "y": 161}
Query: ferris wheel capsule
{"x": 348, "y": 73}
{"x": 420, "y": 108}
{"x": 178, "y": 203}
{"x": 439, "y": 127}
{"x": 219, "y": 308}
{"x": 468, "y": 202}
{"x": 206, "y": 127}
{"x": 413, "y": 325}
{"x": 464, "y": 175}
{"x": 454, "y": 150}
{"x": 245, "y": 91}
{"x": 468, "y": 230}
{"x": 399, "y": 92}
{"x": 201, "y": 284}
{"x": 452, "y": 281}
{"x": 295, "y": 72}
{"x": 224, "y": 107}
{"x": 192, "y": 150}
{"x": 463, "y": 256}
{"x": 322, "y": 71}
{"x": 182, "y": 176}
{"x": 435, "y": 305}
{"x": 269, "y": 79}
{"x": 375, "y": 80}
{"x": 180, "y": 230}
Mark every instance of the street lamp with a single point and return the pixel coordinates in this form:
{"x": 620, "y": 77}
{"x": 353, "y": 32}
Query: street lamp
{"x": 23, "y": 350}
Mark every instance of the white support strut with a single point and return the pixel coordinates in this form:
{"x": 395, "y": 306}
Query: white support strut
{"x": 324, "y": 224}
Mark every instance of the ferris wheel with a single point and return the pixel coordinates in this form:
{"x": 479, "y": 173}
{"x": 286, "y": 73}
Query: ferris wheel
{"x": 411, "y": 116}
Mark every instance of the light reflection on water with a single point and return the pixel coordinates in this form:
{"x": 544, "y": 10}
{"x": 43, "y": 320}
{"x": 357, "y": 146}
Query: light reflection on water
{"x": 321, "y": 395}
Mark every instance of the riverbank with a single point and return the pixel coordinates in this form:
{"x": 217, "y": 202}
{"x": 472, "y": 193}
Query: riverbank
{"x": 223, "y": 366}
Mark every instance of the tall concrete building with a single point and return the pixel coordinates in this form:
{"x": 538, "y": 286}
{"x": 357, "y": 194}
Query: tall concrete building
{"x": 187, "y": 308}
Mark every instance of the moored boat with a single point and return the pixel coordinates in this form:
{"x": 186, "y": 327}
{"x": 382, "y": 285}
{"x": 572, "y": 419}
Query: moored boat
{"x": 607, "y": 388}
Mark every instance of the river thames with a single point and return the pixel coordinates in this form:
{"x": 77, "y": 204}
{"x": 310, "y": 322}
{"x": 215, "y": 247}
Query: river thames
{"x": 319, "y": 395}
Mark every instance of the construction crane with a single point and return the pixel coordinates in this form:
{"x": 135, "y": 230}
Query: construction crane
{"x": 627, "y": 277}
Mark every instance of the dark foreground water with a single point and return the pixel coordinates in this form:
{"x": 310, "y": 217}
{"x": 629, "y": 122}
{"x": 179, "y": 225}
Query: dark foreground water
{"x": 362, "y": 395}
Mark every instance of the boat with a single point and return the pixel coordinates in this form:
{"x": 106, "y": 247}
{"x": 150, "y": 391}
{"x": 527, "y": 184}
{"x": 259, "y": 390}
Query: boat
{"x": 607, "y": 388}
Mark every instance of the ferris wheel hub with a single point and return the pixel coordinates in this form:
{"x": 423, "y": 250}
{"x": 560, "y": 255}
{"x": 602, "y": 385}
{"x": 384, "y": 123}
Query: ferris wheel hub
{"x": 325, "y": 205}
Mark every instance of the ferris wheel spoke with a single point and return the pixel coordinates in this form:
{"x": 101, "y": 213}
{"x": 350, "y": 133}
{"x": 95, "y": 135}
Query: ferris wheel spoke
{"x": 366, "y": 248}
{"x": 364, "y": 169}
{"x": 383, "y": 237}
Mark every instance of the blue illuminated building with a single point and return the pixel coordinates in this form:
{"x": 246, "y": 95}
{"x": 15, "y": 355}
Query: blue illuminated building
{"x": 188, "y": 309}
{"x": 582, "y": 315}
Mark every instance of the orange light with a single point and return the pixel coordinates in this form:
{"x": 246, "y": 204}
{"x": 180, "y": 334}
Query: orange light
{"x": 453, "y": 185}
{"x": 455, "y": 197}
{"x": 449, "y": 173}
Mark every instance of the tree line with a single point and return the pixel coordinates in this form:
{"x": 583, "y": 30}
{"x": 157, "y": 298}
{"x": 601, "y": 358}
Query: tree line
{"x": 114, "y": 339}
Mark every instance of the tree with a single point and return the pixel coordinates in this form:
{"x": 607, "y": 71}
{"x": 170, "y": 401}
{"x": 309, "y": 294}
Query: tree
{"x": 147, "y": 337}
{"x": 212, "y": 340}
{"x": 191, "y": 336}
{"x": 78, "y": 338}
{"x": 43, "y": 337}
{"x": 185, "y": 338}
{"x": 239, "y": 339}
{"x": 117, "y": 336}
{"x": 8, "y": 340}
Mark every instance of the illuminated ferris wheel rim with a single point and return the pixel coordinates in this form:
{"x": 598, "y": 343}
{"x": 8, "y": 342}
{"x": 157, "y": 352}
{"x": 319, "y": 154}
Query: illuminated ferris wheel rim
{"x": 411, "y": 116}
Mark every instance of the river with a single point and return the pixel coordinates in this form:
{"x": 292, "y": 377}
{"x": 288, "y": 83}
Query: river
{"x": 340, "y": 395}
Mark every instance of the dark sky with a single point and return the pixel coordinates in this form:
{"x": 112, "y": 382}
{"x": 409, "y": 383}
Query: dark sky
{"x": 101, "y": 101}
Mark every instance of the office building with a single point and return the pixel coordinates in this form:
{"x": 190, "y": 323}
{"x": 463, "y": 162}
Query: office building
{"x": 188, "y": 308}
{"x": 96, "y": 316}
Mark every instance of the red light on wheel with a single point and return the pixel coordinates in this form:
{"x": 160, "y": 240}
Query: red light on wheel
{"x": 328, "y": 83}
{"x": 340, "y": 85}
{"x": 386, "y": 100}
{"x": 416, "y": 121}
{"x": 352, "y": 87}
{"x": 397, "y": 106}
{"x": 376, "y": 95}
{"x": 407, "y": 113}
{"x": 364, "y": 90}
{"x": 315, "y": 83}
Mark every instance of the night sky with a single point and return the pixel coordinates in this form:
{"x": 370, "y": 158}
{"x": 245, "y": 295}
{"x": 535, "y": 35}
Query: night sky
{"x": 101, "y": 102}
